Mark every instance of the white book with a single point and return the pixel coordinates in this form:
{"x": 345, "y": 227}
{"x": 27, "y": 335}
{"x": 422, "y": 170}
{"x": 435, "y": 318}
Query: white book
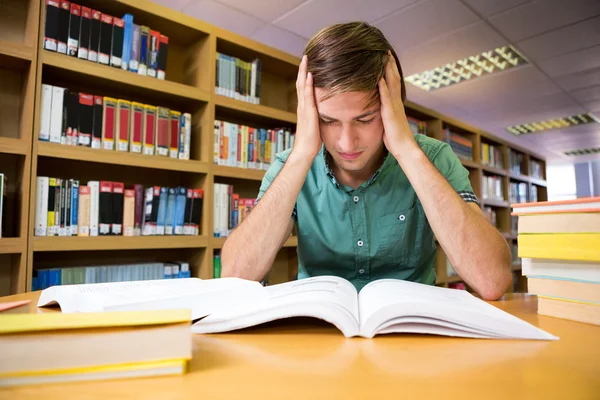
{"x": 224, "y": 212}
{"x": 216, "y": 148}
{"x": 216, "y": 210}
{"x": 45, "y": 112}
{"x": 94, "y": 206}
{"x": 382, "y": 307}
{"x": 565, "y": 269}
{"x": 41, "y": 206}
{"x": 56, "y": 114}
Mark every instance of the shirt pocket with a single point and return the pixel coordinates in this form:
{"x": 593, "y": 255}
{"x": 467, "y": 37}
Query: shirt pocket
{"x": 396, "y": 237}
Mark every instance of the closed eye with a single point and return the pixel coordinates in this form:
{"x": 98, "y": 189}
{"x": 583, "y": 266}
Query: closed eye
{"x": 327, "y": 122}
{"x": 366, "y": 122}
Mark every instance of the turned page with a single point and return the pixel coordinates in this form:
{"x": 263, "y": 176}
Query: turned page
{"x": 201, "y": 296}
{"x": 330, "y": 298}
{"x": 399, "y": 306}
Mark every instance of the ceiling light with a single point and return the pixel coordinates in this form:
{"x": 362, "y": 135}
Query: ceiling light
{"x": 558, "y": 123}
{"x": 469, "y": 68}
{"x": 583, "y": 152}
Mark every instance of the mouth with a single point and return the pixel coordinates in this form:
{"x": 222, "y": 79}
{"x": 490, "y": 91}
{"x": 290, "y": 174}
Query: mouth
{"x": 350, "y": 156}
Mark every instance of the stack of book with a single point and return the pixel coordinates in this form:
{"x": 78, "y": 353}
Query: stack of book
{"x": 559, "y": 243}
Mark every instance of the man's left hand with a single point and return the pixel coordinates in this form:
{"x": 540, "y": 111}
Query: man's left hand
{"x": 397, "y": 135}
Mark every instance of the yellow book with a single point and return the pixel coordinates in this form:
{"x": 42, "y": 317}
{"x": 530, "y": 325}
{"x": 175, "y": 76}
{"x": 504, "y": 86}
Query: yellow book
{"x": 565, "y": 246}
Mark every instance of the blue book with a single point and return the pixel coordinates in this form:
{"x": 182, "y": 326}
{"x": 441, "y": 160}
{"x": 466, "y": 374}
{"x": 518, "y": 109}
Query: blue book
{"x": 42, "y": 279}
{"x": 74, "y": 206}
{"x": 167, "y": 272}
{"x": 180, "y": 210}
{"x": 162, "y": 211}
{"x": 34, "y": 284}
{"x": 170, "y": 221}
{"x": 127, "y": 41}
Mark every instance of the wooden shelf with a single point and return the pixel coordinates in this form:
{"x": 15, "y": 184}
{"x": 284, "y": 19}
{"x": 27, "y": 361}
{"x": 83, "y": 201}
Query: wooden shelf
{"x": 469, "y": 163}
{"x": 76, "y": 243}
{"x": 519, "y": 177}
{"x": 13, "y": 146}
{"x": 87, "y": 154}
{"x": 495, "y": 203}
{"x": 494, "y": 170}
{"x": 73, "y": 68}
{"x": 15, "y": 50}
{"x": 217, "y": 243}
{"x": 538, "y": 182}
{"x": 12, "y": 245}
{"x": 239, "y": 173}
{"x": 255, "y": 110}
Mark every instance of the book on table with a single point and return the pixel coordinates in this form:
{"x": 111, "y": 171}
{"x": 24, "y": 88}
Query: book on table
{"x": 381, "y": 307}
{"x": 38, "y": 348}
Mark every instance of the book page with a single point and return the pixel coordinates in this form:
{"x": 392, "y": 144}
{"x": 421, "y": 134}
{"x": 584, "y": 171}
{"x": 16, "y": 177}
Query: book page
{"x": 201, "y": 296}
{"x": 330, "y": 298}
{"x": 386, "y": 304}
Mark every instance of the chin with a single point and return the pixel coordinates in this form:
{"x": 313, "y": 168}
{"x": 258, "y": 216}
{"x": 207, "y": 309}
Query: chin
{"x": 350, "y": 165}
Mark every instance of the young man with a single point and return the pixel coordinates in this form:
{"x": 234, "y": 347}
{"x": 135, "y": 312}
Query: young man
{"x": 367, "y": 196}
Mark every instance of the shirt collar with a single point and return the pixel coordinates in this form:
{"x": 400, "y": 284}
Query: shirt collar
{"x": 373, "y": 177}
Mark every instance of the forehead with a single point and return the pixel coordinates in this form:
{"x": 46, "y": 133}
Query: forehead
{"x": 343, "y": 104}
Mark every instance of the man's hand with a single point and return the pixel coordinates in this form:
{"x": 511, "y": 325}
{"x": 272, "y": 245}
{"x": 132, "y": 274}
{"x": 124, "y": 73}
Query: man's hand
{"x": 308, "y": 137}
{"x": 397, "y": 135}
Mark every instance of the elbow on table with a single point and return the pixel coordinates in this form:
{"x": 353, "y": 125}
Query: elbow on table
{"x": 494, "y": 289}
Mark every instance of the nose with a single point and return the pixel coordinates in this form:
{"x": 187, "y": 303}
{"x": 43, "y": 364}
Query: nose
{"x": 347, "y": 138}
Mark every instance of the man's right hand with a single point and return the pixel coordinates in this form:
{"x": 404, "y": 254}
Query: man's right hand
{"x": 308, "y": 137}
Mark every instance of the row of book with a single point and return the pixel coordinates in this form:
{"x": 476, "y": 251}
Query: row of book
{"x": 490, "y": 215}
{"x": 82, "y": 119}
{"x": 47, "y": 277}
{"x": 491, "y": 155}
{"x": 99, "y": 208}
{"x": 517, "y": 192}
{"x": 491, "y": 188}
{"x": 515, "y": 162}
{"x": 238, "y": 79}
{"x": 92, "y": 35}
{"x": 559, "y": 244}
{"x": 229, "y": 209}
{"x": 417, "y": 126}
{"x": 247, "y": 147}
{"x": 462, "y": 146}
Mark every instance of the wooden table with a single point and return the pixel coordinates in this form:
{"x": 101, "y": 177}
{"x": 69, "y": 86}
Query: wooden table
{"x": 309, "y": 359}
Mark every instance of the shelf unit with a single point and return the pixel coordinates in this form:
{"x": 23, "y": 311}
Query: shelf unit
{"x": 189, "y": 87}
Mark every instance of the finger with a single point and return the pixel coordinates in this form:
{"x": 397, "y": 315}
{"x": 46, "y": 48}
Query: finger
{"x": 301, "y": 80}
{"x": 384, "y": 94}
{"x": 392, "y": 78}
{"x": 309, "y": 92}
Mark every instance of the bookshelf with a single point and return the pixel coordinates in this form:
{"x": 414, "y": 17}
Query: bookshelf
{"x": 189, "y": 87}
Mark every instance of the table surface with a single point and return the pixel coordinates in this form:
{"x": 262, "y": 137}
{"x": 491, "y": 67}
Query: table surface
{"x": 309, "y": 359}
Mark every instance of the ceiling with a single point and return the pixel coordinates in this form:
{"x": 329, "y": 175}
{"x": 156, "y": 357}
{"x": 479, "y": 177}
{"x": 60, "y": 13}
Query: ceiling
{"x": 559, "y": 38}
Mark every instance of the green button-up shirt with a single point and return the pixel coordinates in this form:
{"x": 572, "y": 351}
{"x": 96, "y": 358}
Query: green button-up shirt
{"x": 378, "y": 230}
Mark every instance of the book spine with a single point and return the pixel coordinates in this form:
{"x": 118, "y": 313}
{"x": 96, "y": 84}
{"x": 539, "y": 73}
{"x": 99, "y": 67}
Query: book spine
{"x": 216, "y": 133}
{"x": 74, "y": 29}
{"x": 51, "y": 206}
{"x": 108, "y": 123}
{"x": 148, "y": 203}
{"x": 105, "y": 210}
{"x": 105, "y": 43}
{"x": 94, "y": 206}
{"x": 162, "y": 131}
{"x": 86, "y": 119}
{"x": 84, "y": 33}
{"x": 134, "y": 61}
{"x": 144, "y": 40}
{"x": 51, "y": 26}
{"x": 116, "y": 50}
{"x": 138, "y": 219}
{"x": 95, "y": 25}
{"x": 163, "y": 49}
{"x": 62, "y": 207}
{"x": 136, "y": 127}
{"x": 189, "y": 199}
{"x": 180, "y": 210}
{"x": 175, "y": 119}
{"x": 127, "y": 41}
{"x": 74, "y": 207}
{"x": 185, "y": 136}
{"x": 45, "y": 112}
{"x": 170, "y": 220}
{"x": 149, "y": 127}
{"x": 71, "y": 111}
{"x": 83, "y": 221}
{"x": 128, "y": 212}
{"x": 56, "y": 114}
{"x": 97, "y": 122}
{"x": 122, "y": 125}
{"x": 116, "y": 227}
{"x": 197, "y": 206}
{"x": 63, "y": 26}
{"x": 162, "y": 211}
{"x": 41, "y": 206}
{"x": 153, "y": 45}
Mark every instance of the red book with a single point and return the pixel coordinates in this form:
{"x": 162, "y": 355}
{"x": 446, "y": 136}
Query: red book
{"x": 162, "y": 131}
{"x": 108, "y": 123}
{"x": 124, "y": 109}
{"x": 136, "y": 127}
{"x": 174, "y": 142}
{"x": 149, "y": 128}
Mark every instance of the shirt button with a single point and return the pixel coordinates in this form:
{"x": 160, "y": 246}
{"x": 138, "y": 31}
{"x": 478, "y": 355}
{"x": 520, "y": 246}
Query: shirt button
{"x": 361, "y": 271}
{"x": 356, "y": 199}
{"x": 360, "y": 243}
{"x": 402, "y": 217}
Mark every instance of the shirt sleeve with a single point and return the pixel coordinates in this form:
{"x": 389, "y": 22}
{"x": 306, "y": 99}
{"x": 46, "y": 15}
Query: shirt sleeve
{"x": 449, "y": 165}
{"x": 270, "y": 175}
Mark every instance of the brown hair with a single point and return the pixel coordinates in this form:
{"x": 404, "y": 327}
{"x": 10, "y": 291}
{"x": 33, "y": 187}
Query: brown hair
{"x": 350, "y": 57}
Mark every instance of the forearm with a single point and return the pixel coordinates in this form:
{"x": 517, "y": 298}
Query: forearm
{"x": 477, "y": 251}
{"x": 251, "y": 248}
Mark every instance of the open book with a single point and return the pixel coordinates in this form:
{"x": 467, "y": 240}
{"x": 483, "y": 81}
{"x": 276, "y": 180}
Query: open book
{"x": 383, "y": 306}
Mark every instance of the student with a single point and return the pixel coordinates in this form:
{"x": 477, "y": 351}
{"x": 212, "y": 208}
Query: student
{"x": 366, "y": 195}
